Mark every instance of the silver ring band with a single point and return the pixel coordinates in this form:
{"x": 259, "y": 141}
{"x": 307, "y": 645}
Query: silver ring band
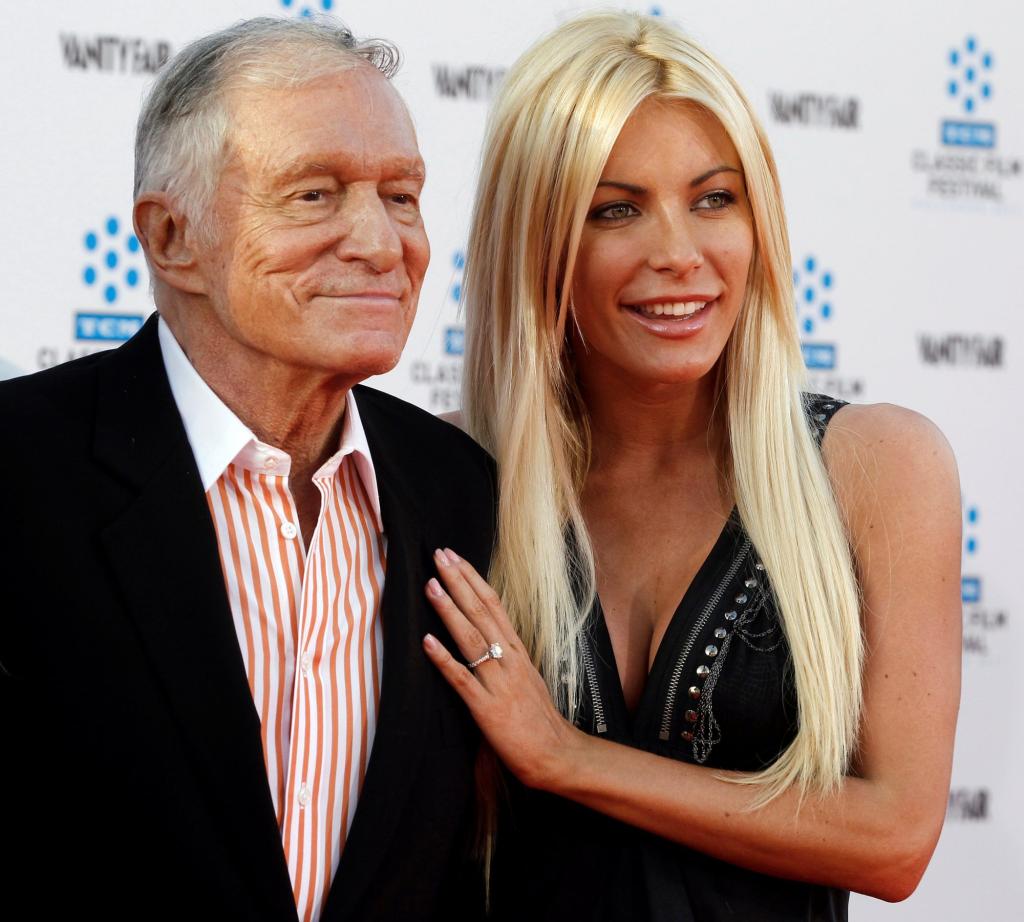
{"x": 494, "y": 651}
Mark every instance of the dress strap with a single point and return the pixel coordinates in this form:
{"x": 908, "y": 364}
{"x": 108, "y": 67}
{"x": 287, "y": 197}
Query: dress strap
{"x": 820, "y": 408}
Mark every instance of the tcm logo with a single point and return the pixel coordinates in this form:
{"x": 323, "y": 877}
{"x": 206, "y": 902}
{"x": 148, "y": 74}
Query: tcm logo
{"x": 308, "y": 10}
{"x": 970, "y": 586}
{"x": 112, "y": 269}
{"x": 813, "y": 287}
{"x": 970, "y": 87}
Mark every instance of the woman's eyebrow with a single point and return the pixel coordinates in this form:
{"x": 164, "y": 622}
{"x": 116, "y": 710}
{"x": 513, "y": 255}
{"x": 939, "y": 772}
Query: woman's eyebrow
{"x": 628, "y": 187}
{"x": 705, "y": 176}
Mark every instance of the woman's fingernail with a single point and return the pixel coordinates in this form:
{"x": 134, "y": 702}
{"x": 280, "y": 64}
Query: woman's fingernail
{"x": 452, "y": 555}
{"x": 430, "y": 642}
{"x": 441, "y": 558}
{"x": 434, "y": 587}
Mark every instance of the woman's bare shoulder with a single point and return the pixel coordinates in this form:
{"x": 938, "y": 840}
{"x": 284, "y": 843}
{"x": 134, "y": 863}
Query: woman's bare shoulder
{"x": 883, "y": 441}
{"x": 893, "y": 473}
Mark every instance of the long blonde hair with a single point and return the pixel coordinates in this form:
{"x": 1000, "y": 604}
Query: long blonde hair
{"x": 551, "y": 130}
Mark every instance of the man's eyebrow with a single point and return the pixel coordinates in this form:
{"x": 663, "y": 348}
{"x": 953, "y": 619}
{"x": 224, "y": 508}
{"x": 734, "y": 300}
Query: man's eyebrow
{"x": 299, "y": 169}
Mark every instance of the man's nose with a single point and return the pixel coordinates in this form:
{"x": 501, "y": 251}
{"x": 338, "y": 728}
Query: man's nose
{"x": 369, "y": 234}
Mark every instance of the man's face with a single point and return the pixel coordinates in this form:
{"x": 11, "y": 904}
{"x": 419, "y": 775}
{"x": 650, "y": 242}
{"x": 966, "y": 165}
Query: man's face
{"x": 319, "y": 249}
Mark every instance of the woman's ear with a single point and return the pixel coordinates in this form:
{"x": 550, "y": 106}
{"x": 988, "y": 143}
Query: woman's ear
{"x": 168, "y": 241}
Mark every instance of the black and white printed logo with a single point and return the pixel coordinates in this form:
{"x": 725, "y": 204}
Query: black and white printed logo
{"x": 114, "y": 54}
{"x": 475, "y": 81}
{"x": 969, "y": 805}
{"x": 974, "y": 350}
{"x": 814, "y": 110}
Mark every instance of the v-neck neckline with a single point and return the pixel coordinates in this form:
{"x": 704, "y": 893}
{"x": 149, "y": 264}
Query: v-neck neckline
{"x": 634, "y": 723}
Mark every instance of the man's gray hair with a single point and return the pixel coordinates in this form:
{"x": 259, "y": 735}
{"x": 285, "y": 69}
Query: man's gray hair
{"x": 182, "y": 134}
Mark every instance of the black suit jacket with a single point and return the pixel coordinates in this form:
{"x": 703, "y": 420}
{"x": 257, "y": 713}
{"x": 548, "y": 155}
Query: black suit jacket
{"x": 134, "y": 784}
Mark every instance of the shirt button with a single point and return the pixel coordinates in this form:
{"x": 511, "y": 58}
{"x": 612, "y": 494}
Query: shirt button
{"x": 306, "y": 663}
{"x": 288, "y": 530}
{"x": 303, "y": 795}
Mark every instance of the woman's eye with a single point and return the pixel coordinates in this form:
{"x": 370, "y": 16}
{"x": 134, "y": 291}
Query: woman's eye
{"x": 615, "y": 211}
{"x": 713, "y": 201}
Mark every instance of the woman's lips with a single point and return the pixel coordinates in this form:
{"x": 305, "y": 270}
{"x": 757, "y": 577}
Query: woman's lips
{"x": 672, "y": 319}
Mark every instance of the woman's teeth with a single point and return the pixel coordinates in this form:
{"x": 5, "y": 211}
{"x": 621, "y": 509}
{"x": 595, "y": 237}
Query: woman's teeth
{"x": 678, "y": 309}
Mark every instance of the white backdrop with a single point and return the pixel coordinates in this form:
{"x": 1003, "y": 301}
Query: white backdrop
{"x": 899, "y": 130}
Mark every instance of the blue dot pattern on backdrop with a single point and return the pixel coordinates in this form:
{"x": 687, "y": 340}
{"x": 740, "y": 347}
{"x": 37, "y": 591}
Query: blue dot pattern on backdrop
{"x": 459, "y": 260}
{"x": 968, "y": 85}
{"x": 116, "y": 258}
{"x": 809, "y": 286}
{"x": 972, "y": 515}
{"x": 972, "y": 545}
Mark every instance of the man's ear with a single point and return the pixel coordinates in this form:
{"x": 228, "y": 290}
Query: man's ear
{"x": 169, "y": 241}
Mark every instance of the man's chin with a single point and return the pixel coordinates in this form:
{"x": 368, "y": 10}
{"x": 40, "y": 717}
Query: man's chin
{"x": 369, "y": 359}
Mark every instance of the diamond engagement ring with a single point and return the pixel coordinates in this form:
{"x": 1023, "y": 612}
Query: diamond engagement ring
{"x": 494, "y": 651}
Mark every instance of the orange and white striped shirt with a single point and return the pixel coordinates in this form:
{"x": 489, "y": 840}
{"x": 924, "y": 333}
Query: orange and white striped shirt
{"x": 307, "y": 620}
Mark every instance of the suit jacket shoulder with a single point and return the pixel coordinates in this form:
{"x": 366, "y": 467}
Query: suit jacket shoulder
{"x": 445, "y": 472}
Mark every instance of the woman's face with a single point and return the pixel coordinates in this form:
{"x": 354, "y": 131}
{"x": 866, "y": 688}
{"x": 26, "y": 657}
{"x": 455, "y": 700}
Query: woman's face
{"x": 663, "y": 261}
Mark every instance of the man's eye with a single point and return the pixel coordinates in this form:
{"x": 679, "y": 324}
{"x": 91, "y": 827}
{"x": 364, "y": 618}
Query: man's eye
{"x": 314, "y": 195}
{"x": 403, "y": 198}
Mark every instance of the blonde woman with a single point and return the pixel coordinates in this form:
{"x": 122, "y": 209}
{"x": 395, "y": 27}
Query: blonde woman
{"x": 721, "y": 655}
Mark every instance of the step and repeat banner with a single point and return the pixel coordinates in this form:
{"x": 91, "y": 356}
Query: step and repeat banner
{"x": 899, "y": 131}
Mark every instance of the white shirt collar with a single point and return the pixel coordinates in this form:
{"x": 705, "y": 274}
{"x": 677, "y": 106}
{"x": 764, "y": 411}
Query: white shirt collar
{"x": 218, "y": 437}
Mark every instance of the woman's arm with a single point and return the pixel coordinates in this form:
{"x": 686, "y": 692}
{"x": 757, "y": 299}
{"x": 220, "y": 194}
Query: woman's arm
{"x": 896, "y": 483}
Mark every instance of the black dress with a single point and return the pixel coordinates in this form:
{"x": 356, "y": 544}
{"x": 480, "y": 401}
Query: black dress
{"x": 719, "y": 694}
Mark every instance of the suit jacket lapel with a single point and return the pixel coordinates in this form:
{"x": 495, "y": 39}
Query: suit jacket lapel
{"x": 163, "y": 552}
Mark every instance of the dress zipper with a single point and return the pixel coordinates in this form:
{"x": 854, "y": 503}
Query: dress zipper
{"x": 698, "y": 626}
{"x": 600, "y": 724}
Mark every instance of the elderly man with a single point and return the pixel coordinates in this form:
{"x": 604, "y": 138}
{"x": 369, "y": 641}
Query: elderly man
{"x": 216, "y": 704}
